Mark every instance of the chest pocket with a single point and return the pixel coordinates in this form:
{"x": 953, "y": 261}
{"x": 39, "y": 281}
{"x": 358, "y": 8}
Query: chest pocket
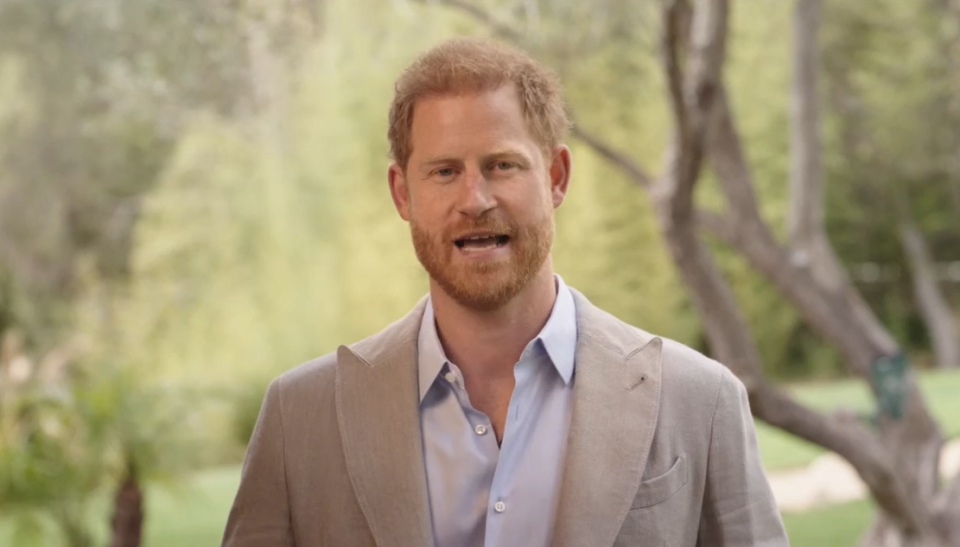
{"x": 659, "y": 489}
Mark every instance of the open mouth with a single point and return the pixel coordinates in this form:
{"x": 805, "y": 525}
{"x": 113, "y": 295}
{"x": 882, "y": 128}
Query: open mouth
{"x": 482, "y": 243}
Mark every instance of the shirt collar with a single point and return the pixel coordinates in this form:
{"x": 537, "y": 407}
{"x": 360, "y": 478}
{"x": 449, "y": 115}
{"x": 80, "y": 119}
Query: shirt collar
{"x": 558, "y": 337}
{"x": 431, "y": 358}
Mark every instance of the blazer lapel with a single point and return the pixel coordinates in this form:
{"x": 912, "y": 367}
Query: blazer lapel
{"x": 615, "y": 403}
{"x": 379, "y": 418}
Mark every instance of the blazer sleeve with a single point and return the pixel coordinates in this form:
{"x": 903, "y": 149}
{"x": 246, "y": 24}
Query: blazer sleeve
{"x": 260, "y": 516}
{"x": 738, "y": 506}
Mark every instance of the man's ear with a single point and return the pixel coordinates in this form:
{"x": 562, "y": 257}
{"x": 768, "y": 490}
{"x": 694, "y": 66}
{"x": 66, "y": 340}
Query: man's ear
{"x": 560, "y": 164}
{"x": 399, "y": 190}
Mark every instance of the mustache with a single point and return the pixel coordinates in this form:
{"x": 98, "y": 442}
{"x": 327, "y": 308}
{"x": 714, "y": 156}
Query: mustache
{"x": 495, "y": 225}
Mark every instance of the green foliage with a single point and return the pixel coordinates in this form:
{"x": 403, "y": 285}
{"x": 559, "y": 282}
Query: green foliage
{"x": 890, "y": 91}
{"x": 93, "y": 96}
{"x": 47, "y": 463}
{"x": 246, "y": 410}
{"x": 61, "y": 446}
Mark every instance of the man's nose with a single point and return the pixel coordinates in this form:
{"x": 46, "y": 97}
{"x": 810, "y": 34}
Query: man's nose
{"x": 476, "y": 196}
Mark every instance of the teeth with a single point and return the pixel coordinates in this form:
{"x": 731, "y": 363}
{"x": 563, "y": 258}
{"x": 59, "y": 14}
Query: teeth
{"x": 481, "y": 241}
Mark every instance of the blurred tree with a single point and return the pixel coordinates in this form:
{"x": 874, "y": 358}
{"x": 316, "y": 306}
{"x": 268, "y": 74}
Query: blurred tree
{"x": 102, "y": 91}
{"x": 894, "y": 129}
{"x": 107, "y": 86}
{"x": 62, "y": 445}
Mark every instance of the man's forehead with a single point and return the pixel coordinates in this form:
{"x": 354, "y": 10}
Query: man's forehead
{"x": 492, "y": 115}
{"x": 466, "y": 89}
{"x": 505, "y": 96}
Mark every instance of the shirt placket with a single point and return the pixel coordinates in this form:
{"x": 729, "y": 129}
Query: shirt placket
{"x": 498, "y": 508}
{"x": 483, "y": 437}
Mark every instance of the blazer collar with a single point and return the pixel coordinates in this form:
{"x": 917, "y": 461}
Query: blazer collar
{"x": 616, "y": 397}
{"x": 379, "y": 418}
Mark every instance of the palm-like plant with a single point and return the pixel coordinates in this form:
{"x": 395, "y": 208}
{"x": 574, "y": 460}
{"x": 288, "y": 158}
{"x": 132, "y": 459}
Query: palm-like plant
{"x": 62, "y": 445}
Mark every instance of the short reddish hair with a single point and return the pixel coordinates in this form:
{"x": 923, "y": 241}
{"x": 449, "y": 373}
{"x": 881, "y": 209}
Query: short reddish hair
{"x": 475, "y": 65}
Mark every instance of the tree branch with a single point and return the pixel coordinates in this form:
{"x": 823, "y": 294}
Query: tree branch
{"x": 723, "y": 227}
{"x": 808, "y": 239}
{"x": 936, "y": 313}
{"x": 674, "y": 34}
{"x": 837, "y": 313}
{"x": 805, "y": 220}
{"x": 692, "y": 98}
{"x": 726, "y": 329}
{"x": 729, "y": 161}
{"x": 850, "y": 440}
{"x": 695, "y": 111}
{"x": 839, "y": 316}
{"x": 499, "y": 28}
{"x": 630, "y": 167}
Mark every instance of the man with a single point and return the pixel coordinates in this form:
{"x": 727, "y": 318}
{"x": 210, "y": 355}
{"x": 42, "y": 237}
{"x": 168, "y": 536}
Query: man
{"x": 505, "y": 409}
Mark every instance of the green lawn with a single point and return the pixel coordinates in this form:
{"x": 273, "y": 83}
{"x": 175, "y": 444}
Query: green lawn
{"x": 831, "y": 526}
{"x": 194, "y": 517}
{"x": 191, "y": 515}
{"x": 780, "y": 450}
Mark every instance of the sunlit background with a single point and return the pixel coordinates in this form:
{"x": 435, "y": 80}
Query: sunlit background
{"x": 193, "y": 199}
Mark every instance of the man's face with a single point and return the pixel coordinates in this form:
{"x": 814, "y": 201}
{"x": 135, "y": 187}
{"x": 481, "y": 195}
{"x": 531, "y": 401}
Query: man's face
{"x": 479, "y": 194}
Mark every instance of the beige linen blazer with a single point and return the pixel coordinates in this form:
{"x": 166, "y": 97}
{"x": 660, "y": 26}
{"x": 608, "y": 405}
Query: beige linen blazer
{"x": 662, "y": 449}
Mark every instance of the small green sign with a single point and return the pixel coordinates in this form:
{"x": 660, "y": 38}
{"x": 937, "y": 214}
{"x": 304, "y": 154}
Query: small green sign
{"x": 889, "y": 376}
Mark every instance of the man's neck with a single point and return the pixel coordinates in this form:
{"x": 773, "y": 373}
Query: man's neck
{"x": 488, "y": 344}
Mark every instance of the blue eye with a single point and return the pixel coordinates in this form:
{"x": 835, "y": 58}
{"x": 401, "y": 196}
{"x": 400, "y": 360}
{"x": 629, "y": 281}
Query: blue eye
{"x": 504, "y": 165}
{"x": 447, "y": 172}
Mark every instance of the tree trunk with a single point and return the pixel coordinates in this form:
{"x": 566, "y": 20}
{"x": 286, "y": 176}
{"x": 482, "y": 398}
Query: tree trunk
{"x": 128, "y": 507}
{"x": 902, "y": 475}
{"x": 900, "y": 464}
{"x": 937, "y": 315}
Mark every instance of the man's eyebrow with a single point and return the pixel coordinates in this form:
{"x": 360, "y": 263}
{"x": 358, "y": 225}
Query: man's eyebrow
{"x": 505, "y": 153}
{"x": 438, "y": 160}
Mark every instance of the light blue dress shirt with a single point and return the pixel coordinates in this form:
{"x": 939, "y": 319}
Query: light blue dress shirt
{"x": 482, "y": 495}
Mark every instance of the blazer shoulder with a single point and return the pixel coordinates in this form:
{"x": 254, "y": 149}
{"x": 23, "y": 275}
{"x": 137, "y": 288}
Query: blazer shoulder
{"x": 683, "y": 369}
{"x": 688, "y": 361}
{"x": 690, "y": 373}
{"x": 309, "y": 379}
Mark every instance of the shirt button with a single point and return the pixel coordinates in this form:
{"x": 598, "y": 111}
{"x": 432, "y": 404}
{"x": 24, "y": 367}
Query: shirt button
{"x": 480, "y": 429}
{"x": 500, "y": 507}
{"x": 451, "y": 377}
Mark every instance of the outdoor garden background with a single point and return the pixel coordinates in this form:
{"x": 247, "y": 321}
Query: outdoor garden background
{"x": 193, "y": 199}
